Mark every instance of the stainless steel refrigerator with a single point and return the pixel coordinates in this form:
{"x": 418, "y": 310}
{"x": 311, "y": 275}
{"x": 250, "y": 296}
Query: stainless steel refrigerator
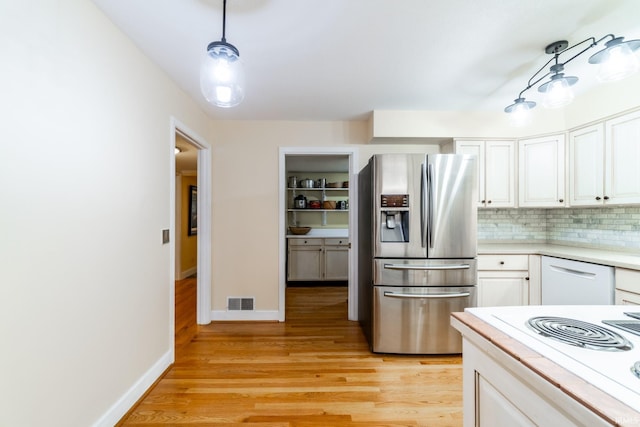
{"x": 417, "y": 250}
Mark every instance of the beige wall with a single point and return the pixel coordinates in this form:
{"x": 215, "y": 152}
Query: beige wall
{"x": 85, "y": 186}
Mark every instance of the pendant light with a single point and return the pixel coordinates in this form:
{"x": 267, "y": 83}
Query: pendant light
{"x": 221, "y": 72}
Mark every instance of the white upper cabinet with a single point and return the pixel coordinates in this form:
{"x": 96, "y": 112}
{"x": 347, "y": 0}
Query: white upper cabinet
{"x": 541, "y": 172}
{"x": 586, "y": 166}
{"x": 603, "y": 163}
{"x": 496, "y": 171}
{"x": 622, "y": 159}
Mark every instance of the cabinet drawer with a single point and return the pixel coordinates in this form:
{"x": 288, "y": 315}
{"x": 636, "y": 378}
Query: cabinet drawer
{"x": 503, "y": 262}
{"x": 628, "y": 280}
{"x": 337, "y": 242}
{"x": 627, "y": 298}
{"x": 305, "y": 242}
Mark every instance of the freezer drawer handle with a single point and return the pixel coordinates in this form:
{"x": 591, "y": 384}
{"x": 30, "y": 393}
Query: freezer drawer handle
{"x": 574, "y": 272}
{"x": 426, "y": 267}
{"x": 445, "y": 295}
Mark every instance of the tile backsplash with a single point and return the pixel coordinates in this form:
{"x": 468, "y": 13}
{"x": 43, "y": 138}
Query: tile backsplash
{"x": 615, "y": 228}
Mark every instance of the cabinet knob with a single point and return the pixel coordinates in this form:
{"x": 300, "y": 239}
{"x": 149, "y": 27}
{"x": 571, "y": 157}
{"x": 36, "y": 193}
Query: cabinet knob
{"x": 597, "y": 197}
{"x": 561, "y": 200}
{"x": 489, "y": 201}
{"x": 501, "y": 262}
{"x": 526, "y": 278}
{"x": 606, "y": 197}
{"x": 483, "y": 201}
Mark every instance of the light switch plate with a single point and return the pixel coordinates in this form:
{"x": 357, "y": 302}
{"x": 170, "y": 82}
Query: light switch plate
{"x": 165, "y": 236}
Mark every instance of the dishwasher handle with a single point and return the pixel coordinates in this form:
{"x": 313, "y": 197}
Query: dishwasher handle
{"x": 585, "y": 274}
{"x": 442, "y": 295}
{"x": 426, "y": 267}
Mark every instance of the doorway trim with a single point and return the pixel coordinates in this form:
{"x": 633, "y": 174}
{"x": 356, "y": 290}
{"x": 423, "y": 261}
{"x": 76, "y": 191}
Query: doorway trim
{"x": 352, "y": 153}
{"x": 203, "y": 310}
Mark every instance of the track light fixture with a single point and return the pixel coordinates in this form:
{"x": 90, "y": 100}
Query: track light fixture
{"x": 221, "y": 73}
{"x": 617, "y": 61}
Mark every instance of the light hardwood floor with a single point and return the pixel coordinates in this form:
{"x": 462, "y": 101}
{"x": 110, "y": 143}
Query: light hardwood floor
{"x": 313, "y": 370}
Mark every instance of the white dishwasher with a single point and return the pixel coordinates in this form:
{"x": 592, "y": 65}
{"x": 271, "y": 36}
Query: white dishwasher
{"x": 571, "y": 282}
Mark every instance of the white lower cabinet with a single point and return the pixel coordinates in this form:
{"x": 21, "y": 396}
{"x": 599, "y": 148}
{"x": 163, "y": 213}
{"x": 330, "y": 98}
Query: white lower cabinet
{"x": 317, "y": 259}
{"x": 506, "y": 280}
{"x": 627, "y": 286}
{"x": 336, "y": 259}
{"x": 498, "y": 390}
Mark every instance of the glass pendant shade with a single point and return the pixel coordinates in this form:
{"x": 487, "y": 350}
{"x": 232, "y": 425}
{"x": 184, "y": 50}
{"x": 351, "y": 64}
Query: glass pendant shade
{"x": 520, "y": 112}
{"x": 558, "y": 92}
{"x": 222, "y": 75}
{"x": 616, "y": 63}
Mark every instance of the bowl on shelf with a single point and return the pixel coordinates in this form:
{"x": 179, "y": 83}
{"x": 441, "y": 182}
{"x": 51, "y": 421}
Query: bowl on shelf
{"x": 334, "y": 184}
{"x": 329, "y": 204}
{"x": 299, "y": 230}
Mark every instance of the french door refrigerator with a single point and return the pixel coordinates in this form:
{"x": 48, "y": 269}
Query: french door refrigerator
{"x": 417, "y": 250}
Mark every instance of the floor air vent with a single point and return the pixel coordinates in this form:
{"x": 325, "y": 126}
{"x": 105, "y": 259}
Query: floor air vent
{"x": 240, "y": 303}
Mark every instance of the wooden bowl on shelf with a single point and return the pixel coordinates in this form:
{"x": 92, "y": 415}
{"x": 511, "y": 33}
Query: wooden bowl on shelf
{"x": 329, "y": 204}
{"x": 299, "y": 230}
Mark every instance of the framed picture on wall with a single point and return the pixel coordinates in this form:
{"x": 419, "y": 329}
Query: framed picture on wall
{"x": 193, "y": 210}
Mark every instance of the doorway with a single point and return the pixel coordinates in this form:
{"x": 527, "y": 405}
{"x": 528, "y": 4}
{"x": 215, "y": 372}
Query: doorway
{"x": 200, "y": 173}
{"x": 316, "y": 161}
{"x": 186, "y": 241}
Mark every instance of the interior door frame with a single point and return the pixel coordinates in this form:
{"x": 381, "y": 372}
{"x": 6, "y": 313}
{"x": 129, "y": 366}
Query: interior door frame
{"x": 352, "y": 153}
{"x": 203, "y": 310}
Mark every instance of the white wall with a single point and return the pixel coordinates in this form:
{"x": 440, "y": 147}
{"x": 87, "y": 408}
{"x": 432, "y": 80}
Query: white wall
{"x": 84, "y": 190}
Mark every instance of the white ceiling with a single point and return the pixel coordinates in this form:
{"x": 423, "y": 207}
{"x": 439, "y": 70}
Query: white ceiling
{"x": 341, "y": 59}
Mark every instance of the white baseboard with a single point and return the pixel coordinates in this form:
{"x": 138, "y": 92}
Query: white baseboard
{"x": 188, "y": 272}
{"x": 126, "y": 401}
{"x": 251, "y": 315}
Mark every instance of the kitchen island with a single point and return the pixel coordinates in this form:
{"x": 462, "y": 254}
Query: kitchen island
{"x": 513, "y": 376}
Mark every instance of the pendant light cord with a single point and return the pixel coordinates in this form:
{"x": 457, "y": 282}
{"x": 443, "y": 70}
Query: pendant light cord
{"x": 224, "y": 19}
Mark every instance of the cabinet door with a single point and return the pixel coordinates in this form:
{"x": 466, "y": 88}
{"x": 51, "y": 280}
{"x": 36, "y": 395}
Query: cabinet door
{"x": 622, "y": 150}
{"x": 541, "y": 172}
{"x": 502, "y": 288}
{"x": 500, "y": 177}
{"x": 495, "y": 409}
{"x": 305, "y": 263}
{"x": 475, "y": 148}
{"x": 336, "y": 262}
{"x": 586, "y": 166}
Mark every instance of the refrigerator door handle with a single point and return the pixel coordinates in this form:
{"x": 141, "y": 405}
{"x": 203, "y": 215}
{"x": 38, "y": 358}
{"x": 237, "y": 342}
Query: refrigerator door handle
{"x": 423, "y": 199}
{"x": 444, "y": 295}
{"x": 426, "y": 267}
{"x": 429, "y": 191}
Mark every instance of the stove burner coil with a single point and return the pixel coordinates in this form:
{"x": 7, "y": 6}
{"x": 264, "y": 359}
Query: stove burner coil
{"x": 636, "y": 369}
{"x": 579, "y": 333}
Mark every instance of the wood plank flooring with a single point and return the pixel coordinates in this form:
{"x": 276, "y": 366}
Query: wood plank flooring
{"x": 186, "y": 326}
{"x": 315, "y": 369}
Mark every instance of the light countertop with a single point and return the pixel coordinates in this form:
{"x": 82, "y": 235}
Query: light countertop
{"x": 323, "y": 233}
{"x": 597, "y": 256}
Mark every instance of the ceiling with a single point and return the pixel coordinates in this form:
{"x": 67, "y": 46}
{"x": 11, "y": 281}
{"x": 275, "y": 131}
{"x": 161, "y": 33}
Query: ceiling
{"x": 341, "y": 59}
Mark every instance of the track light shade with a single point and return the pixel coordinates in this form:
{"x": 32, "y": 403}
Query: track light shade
{"x": 557, "y": 92}
{"x": 617, "y": 60}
